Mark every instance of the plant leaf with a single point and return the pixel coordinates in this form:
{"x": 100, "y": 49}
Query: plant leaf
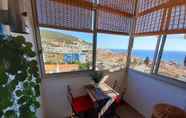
{"x": 18, "y": 93}
{"x": 10, "y": 114}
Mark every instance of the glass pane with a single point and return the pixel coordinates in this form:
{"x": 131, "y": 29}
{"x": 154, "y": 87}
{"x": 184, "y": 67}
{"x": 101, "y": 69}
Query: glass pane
{"x": 143, "y": 53}
{"x": 111, "y": 51}
{"x": 173, "y": 63}
{"x": 66, "y": 51}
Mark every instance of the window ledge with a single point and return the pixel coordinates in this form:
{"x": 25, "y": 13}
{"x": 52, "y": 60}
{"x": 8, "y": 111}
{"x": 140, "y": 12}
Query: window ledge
{"x": 168, "y": 80}
{"x": 62, "y": 74}
{"x": 53, "y": 75}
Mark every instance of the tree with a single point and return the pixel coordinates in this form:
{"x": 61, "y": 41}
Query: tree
{"x": 147, "y": 61}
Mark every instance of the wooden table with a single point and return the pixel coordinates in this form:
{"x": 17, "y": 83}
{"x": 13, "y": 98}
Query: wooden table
{"x": 103, "y": 91}
{"x": 96, "y": 94}
{"x": 103, "y": 96}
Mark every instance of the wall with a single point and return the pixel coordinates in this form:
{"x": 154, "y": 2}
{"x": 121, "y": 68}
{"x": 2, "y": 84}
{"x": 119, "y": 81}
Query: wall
{"x": 3, "y": 4}
{"x": 118, "y": 77}
{"x": 145, "y": 91}
{"x": 54, "y": 94}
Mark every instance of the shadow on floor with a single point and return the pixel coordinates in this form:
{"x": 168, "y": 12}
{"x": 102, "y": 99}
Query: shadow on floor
{"x": 126, "y": 111}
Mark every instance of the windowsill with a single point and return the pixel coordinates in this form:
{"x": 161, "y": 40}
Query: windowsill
{"x": 162, "y": 78}
{"x": 53, "y": 75}
{"x": 57, "y": 75}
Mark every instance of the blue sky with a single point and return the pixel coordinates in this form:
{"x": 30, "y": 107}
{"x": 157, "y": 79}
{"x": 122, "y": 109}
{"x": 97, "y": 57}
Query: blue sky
{"x": 108, "y": 41}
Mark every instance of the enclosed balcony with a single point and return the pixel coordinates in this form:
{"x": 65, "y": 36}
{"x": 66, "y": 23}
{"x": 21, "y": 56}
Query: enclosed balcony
{"x": 128, "y": 57}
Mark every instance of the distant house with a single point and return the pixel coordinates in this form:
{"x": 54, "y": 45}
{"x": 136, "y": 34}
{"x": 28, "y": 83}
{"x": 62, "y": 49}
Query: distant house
{"x": 70, "y": 58}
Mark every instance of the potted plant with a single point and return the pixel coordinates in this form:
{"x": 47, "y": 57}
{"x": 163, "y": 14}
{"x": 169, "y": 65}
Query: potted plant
{"x": 97, "y": 76}
{"x": 19, "y": 78}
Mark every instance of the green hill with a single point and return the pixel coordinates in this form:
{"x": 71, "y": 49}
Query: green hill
{"x": 50, "y": 35}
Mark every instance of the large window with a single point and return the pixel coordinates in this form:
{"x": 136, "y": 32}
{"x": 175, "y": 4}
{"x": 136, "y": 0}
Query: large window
{"x": 65, "y": 51}
{"x": 111, "y": 51}
{"x": 173, "y": 62}
{"x": 143, "y": 53}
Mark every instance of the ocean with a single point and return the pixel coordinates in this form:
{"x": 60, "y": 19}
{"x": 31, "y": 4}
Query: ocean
{"x": 176, "y": 56}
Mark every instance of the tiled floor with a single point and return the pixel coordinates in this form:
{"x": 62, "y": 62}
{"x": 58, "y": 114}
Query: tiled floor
{"x": 125, "y": 111}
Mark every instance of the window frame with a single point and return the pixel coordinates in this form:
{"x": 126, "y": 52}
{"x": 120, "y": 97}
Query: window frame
{"x": 155, "y": 55}
{"x": 97, "y": 35}
{"x": 156, "y": 72}
{"x": 78, "y": 71}
{"x": 156, "y": 62}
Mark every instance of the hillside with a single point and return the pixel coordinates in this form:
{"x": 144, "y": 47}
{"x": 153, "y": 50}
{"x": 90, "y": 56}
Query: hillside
{"x": 49, "y": 36}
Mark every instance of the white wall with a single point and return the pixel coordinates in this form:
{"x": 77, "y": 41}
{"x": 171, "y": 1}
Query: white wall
{"x": 145, "y": 91}
{"x": 54, "y": 93}
{"x": 119, "y": 77}
{"x": 3, "y": 4}
{"x": 55, "y": 102}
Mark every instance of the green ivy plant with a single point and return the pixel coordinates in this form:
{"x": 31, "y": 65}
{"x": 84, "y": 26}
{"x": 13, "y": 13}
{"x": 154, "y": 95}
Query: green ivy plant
{"x": 19, "y": 78}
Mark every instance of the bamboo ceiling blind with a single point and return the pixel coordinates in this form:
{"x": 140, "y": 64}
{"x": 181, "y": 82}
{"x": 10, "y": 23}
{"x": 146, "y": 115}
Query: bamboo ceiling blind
{"x": 120, "y": 5}
{"x": 117, "y": 18}
{"x": 64, "y": 14}
{"x": 152, "y": 17}
{"x": 148, "y": 4}
{"x": 156, "y": 17}
{"x": 113, "y": 23}
{"x": 178, "y": 19}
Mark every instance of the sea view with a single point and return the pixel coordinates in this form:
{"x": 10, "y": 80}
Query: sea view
{"x": 64, "y": 52}
{"x": 176, "y": 56}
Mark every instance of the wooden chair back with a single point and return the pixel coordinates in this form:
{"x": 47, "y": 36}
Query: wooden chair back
{"x": 69, "y": 95}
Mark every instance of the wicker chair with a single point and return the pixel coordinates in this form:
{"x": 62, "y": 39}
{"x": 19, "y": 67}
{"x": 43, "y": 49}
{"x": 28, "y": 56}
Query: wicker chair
{"x": 167, "y": 111}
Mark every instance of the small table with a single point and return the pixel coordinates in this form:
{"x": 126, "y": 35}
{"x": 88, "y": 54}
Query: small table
{"x": 103, "y": 96}
{"x": 103, "y": 91}
{"x": 95, "y": 93}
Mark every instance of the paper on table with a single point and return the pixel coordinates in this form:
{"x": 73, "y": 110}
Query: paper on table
{"x": 109, "y": 92}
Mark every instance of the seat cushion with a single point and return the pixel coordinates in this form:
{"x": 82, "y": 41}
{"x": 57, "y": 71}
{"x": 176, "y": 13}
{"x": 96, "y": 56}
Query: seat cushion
{"x": 82, "y": 104}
